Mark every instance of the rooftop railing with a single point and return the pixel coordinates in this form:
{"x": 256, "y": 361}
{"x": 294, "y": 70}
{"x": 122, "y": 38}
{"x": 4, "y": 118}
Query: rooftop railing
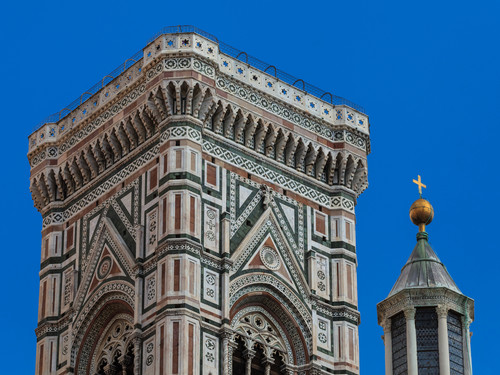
{"x": 224, "y": 48}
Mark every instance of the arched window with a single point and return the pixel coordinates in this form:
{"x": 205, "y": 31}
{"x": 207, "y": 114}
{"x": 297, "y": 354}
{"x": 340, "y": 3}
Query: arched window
{"x": 259, "y": 361}
{"x": 114, "y": 354}
{"x": 259, "y": 348}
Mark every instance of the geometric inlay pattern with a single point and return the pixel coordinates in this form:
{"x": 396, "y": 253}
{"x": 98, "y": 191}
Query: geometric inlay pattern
{"x": 102, "y": 118}
{"x": 270, "y": 258}
{"x": 286, "y": 113}
{"x": 181, "y": 132}
{"x": 92, "y": 196}
{"x": 236, "y": 223}
{"x": 279, "y": 179}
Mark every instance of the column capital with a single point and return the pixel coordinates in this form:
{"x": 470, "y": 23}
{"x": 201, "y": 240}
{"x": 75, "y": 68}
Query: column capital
{"x": 444, "y": 349}
{"x": 386, "y": 324}
{"x": 410, "y": 313}
{"x": 110, "y": 369}
{"x": 226, "y": 332}
{"x": 137, "y": 335}
{"x": 442, "y": 311}
{"x": 267, "y": 360}
{"x": 249, "y": 353}
{"x": 287, "y": 370}
{"x": 125, "y": 360}
{"x": 466, "y": 321}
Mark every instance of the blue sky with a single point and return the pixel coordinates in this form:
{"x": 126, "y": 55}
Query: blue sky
{"x": 427, "y": 73}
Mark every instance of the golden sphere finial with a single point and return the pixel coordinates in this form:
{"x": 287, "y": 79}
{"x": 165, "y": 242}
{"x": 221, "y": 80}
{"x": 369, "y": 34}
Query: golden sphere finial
{"x": 421, "y": 213}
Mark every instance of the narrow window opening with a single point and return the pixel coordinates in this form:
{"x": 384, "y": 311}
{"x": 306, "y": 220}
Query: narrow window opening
{"x": 183, "y": 106}
{"x": 177, "y": 270}
{"x": 338, "y": 280}
{"x": 178, "y": 199}
{"x": 191, "y": 277}
{"x": 162, "y": 280}
{"x": 164, "y": 216}
{"x": 192, "y": 215}
{"x": 175, "y": 348}
{"x": 162, "y": 339}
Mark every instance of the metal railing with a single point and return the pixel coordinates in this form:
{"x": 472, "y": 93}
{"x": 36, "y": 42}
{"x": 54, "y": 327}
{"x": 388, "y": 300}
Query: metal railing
{"x": 224, "y": 48}
{"x": 55, "y": 117}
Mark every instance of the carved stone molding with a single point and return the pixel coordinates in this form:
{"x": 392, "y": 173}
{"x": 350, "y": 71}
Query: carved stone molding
{"x": 410, "y": 313}
{"x": 442, "y": 311}
{"x": 386, "y": 325}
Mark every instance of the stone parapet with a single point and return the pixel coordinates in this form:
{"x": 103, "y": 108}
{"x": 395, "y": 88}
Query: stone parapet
{"x": 205, "y": 57}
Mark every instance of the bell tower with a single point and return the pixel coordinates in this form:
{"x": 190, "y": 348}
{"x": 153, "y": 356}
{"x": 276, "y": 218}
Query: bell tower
{"x": 426, "y": 317}
{"x": 198, "y": 212}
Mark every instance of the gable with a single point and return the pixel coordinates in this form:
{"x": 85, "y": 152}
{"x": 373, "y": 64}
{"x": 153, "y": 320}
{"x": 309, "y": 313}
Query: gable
{"x": 249, "y": 201}
{"x": 109, "y": 257}
{"x": 266, "y": 250}
{"x": 122, "y": 209}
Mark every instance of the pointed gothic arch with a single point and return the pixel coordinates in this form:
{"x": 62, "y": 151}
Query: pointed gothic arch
{"x": 111, "y": 303}
{"x": 260, "y": 342}
{"x": 114, "y": 351}
{"x": 276, "y": 297}
{"x": 281, "y": 332}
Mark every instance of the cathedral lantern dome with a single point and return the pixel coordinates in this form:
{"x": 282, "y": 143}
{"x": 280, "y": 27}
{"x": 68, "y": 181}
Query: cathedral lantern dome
{"x": 425, "y": 316}
{"x": 423, "y": 270}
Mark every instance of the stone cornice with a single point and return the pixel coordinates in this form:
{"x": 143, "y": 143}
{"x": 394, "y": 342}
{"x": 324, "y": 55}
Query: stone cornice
{"x": 419, "y": 297}
{"x": 60, "y": 211}
{"x": 55, "y": 327}
{"x": 276, "y": 106}
{"x": 339, "y": 312}
{"x": 146, "y": 69}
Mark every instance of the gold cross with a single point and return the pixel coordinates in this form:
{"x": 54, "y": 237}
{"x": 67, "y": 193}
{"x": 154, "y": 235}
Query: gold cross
{"x": 420, "y": 185}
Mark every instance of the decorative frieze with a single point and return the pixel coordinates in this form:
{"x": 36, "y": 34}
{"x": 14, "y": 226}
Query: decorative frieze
{"x": 211, "y": 227}
{"x": 286, "y": 112}
{"x": 211, "y": 286}
{"x": 278, "y": 178}
{"x": 150, "y": 290}
{"x": 324, "y": 334}
{"x": 210, "y": 349}
{"x": 322, "y": 277}
{"x": 152, "y": 231}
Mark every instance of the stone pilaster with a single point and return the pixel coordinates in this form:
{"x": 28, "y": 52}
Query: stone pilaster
{"x": 444, "y": 350}
{"x": 411, "y": 341}
{"x": 467, "y": 349}
{"x": 228, "y": 345}
{"x": 267, "y": 362}
{"x": 388, "y": 346}
{"x": 137, "y": 354}
{"x": 248, "y": 354}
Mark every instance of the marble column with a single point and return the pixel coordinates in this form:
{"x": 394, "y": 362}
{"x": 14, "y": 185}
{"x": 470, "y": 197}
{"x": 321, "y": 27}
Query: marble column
{"x": 228, "y": 346}
{"x": 137, "y": 354}
{"x": 467, "y": 349}
{"x": 248, "y": 354}
{"x": 268, "y": 369}
{"x": 139, "y": 275}
{"x": 411, "y": 341}
{"x": 124, "y": 361}
{"x": 267, "y": 362}
{"x": 388, "y": 346}
{"x": 444, "y": 349}
{"x": 285, "y": 369}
